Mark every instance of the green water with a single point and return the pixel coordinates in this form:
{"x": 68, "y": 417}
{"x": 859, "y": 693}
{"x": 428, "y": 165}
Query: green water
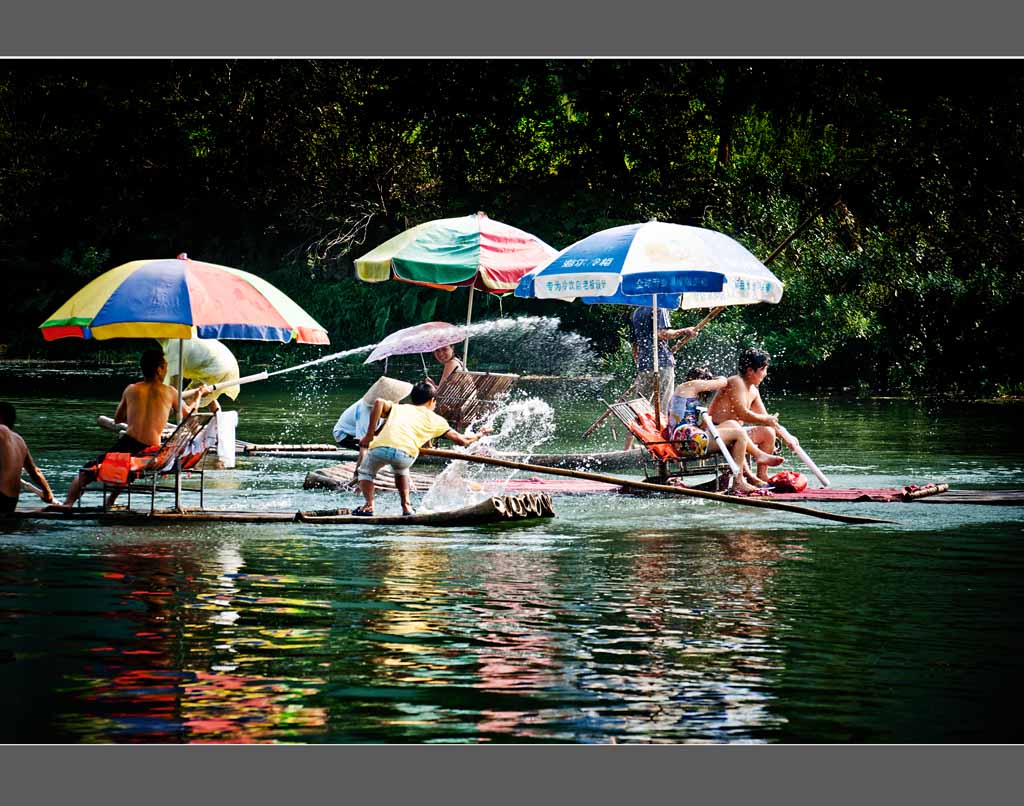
{"x": 622, "y": 619}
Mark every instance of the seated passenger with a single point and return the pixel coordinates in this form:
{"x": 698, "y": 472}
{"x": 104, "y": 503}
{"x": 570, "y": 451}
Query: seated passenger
{"x": 738, "y": 404}
{"x": 146, "y": 407}
{"x": 446, "y": 357}
{"x": 15, "y": 457}
{"x": 684, "y": 426}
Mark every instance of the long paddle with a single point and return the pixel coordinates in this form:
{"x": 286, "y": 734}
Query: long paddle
{"x": 794, "y": 445}
{"x": 646, "y": 485}
{"x": 716, "y": 311}
{"x": 33, "y": 489}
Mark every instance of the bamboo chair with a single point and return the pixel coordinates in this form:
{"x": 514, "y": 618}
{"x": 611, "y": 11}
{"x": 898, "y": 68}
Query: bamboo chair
{"x": 670, "y": 459}
{"x": 466, "y": 397}
{"x": 181, "y": 452}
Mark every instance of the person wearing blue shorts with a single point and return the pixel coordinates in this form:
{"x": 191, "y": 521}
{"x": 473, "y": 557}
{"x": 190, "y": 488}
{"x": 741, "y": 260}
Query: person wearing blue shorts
{"x": 409, "y": 426}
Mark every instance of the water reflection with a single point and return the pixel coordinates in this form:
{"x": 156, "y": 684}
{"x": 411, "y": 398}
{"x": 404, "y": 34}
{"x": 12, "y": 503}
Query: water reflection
{"x": 196, "y": 664}
{"x": 620, "y": 620}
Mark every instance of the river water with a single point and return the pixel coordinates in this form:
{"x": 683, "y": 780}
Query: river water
{"x": 623, "y": 619}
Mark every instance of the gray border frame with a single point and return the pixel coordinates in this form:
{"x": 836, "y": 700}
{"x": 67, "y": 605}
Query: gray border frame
{"x": 557, "y": 28}
{"x": 511, "y": 774}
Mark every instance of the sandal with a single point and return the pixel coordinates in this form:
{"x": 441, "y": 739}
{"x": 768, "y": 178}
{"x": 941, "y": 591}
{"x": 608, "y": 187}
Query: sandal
{"x": 364, "y": 511}
{"x": 409, "y": 514}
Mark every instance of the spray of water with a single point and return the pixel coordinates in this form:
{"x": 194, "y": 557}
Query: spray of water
{"x": 521, "y": 426}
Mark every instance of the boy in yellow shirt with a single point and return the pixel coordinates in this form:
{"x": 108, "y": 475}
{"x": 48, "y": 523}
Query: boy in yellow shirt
{"x": 408, "y": 427}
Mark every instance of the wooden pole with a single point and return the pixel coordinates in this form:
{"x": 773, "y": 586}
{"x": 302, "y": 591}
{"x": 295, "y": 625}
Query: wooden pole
{"x": 654, "y": 359}
{"x": 31, "y": 488}
{"x": 177, "y": 463}
{"x": 469, "y": 318}
{"x": 646, "y": 485}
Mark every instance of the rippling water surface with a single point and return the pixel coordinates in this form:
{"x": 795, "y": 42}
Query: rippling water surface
{"x": 622, "y": 620}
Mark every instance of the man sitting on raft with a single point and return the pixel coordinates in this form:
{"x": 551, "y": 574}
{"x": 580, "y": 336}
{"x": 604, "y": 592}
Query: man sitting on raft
{"x": 684, "y": 426}
{"x": 145, "y": 406}
{"x": 15, "y": 457}
{"x": 398, "y": 444}
{"x": 738, "y": 404}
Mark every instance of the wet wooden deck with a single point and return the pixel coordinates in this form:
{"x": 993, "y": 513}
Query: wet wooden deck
{"x": 496, "y": 509}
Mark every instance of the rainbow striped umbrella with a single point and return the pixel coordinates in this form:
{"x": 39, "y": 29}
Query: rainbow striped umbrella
{"x": 473, "y": 251}
{"x": 179, "y": 299}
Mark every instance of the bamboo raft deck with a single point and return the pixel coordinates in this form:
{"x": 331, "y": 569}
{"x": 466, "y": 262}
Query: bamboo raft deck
{"x": 602, "y": 460}
{"x": 338, "y": 477}
{"x": 492, "y": 510}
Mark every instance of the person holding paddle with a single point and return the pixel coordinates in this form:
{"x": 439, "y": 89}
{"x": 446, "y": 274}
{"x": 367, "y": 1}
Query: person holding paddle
{"x": 640, "y": 333}
{"x": 739, "y": 403}
{"x": 684, "y": 422}
{"x": 146, "y": 406}
{"x": 398, "y": 444}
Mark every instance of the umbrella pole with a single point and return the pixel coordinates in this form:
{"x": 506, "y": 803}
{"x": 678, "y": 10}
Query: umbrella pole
{"x": 662, "y": 466}
{"x": 469, "y": 318}
{"x": 426, "y": 372}
{"x": 654, "y": 357}
{"x": 177, "y": 464}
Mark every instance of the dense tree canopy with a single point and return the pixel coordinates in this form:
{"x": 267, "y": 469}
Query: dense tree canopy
{"x": 906, "y": 277}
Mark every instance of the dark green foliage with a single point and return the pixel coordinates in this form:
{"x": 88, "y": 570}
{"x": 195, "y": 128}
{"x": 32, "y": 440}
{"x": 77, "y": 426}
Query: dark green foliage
{"x": 906, "y": 278}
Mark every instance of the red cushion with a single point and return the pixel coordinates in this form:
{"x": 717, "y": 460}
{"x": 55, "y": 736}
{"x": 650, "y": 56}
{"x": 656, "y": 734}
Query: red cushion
{"x": 788, "y": 481}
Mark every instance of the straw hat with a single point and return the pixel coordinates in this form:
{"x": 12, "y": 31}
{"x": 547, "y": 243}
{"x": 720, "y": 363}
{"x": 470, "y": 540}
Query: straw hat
{"x": 387, "y": 388}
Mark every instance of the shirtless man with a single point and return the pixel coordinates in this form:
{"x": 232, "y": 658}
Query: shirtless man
{"x": 683, "y": 413}
{"x": 145, "y": 406}
{"x": 739, "y": 404}
{"x": 14, "y": 457}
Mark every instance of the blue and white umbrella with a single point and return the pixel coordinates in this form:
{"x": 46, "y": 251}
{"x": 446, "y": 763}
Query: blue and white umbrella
{"x": 687, "y": 267}
{"x": 654, "y": 264}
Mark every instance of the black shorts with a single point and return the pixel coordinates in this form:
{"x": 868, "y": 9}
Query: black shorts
{"x": 7, "y": 504}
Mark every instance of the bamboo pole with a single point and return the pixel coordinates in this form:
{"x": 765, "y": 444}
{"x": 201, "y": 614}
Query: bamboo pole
{"x": 31, "y": 488}
{"x": 469, "y": 318}
{"x": 646, "y": 485}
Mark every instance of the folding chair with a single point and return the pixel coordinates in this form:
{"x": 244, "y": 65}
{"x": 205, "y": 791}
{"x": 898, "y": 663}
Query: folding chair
{"x": 466, "y": 397}
{"x": 638, "y": 417}
{"x": 181, "y": 452}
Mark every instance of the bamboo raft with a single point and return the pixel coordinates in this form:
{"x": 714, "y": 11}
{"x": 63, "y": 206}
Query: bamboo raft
{"x": 604, "y": 459}
{"x": 495, "y": 509}
{"x": 339, "y": 478}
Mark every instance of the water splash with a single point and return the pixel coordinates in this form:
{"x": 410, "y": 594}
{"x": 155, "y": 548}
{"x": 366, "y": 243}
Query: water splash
{"x": 531, "y": 345}
{"x": 521, "y": 426}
